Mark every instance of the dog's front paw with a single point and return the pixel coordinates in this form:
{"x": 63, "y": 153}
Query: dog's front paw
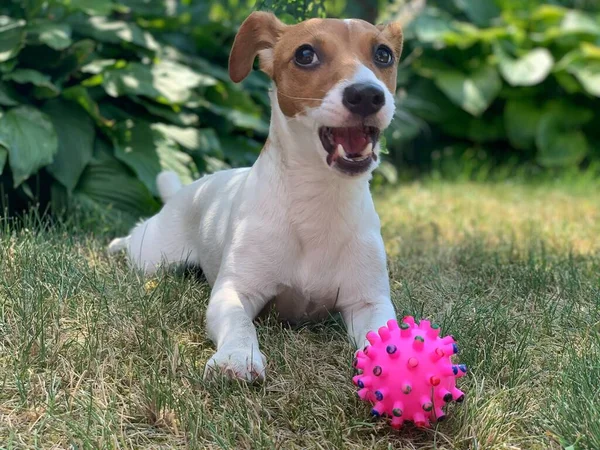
{"x": 241, "y": 364}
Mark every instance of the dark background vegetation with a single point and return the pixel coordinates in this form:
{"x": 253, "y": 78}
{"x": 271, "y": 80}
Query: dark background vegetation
{"x": 97, "y": 96}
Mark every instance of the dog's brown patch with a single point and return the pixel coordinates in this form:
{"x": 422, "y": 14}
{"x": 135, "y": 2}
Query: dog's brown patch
{"x": 341, "y": 46}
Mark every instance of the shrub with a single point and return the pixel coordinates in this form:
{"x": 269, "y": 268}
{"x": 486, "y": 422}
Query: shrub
{"x": 501, "y": 80}
{"x": 97, "y": 97}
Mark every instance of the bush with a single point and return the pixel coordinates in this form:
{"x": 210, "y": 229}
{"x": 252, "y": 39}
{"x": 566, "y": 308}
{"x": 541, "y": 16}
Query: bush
{"x": 97, "y": 97}
{"x": 500, "y": 81}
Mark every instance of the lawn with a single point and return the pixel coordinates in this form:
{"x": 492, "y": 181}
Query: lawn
{"x": 93, "y": 356}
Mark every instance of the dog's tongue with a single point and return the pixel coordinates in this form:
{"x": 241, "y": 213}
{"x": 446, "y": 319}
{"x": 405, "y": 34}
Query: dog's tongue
{"x": 354, "y": 140}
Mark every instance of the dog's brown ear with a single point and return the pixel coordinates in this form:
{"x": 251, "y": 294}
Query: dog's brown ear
{"x": 258, "y": 34}
{"x": 393, "y": 31}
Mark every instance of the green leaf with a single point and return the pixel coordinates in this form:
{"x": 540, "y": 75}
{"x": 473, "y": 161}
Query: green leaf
{"x": 388, "y": 171}
{"x": 431, "y": 26}
{"x": 31, "y": 141}
{"x": 480, "y": 12}
{"x": 169, "y": 113}
{"x": 76, "y": 134}
{"x": 521, "y": 119}
{"x": 147, "y": 151}
{"x": 166, "y": 80}
{"x": 473, "y": 92}
{"x": 92, "y": 7}
{"x": 189, "y": 138}
{"x": 54, "y": 35}
{"x": 3, "y": 156}
{"x": 8, "y": 66}
{"x": 560, "y": 148}
{"x": 114, "y": 31}
{"x": 107, "y": 182}
{"x": 145, "y": 8}
{"x": 584, "y": 64}
{"x": 528, "y": 70}
{"x": 80, "y": 95}
{"x": 24, "y": 76}
{"x": 560, "y": 139}
{"x": 8, "y": 96}
{"x": 588, "y": 74}
{"x": 580, "y": 22}
{"x": 98, "y": 66}
{"x": 12, "y": 37}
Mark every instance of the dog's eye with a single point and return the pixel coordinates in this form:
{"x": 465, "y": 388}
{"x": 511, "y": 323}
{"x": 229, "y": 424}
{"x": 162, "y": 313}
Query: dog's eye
{"x": 306, "y": 56}
{"x": 383, "y": 56}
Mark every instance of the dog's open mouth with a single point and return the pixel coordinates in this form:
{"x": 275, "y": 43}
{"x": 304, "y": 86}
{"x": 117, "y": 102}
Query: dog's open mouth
{"x": 350, "y": 148}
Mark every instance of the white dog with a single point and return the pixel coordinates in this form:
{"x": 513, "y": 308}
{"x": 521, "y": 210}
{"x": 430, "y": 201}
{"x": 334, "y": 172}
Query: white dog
{"x": 298, "y": 228}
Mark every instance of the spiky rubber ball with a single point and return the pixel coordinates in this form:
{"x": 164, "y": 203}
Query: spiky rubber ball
{"x": 407, "y": 372}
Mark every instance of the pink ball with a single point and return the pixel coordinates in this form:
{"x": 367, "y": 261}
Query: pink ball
{"x": 407, "y": 372}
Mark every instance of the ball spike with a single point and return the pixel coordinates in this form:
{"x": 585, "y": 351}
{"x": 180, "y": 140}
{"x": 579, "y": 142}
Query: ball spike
{"x": 364, "y": 381}
{"x": 412, "y": 363}
{"x": 425, "y": 325}
{"x": 372, "y": 353}
{"x": 373, "y": 338}
{"x": 434, "y": 380}
{"x": 378, "y": 409}
{"x": 361, "y": 363}
{"x": 405, "y": 330}
{"x": 448, "y": 340}
{"x": 420, "y": 420}
{"x": 418, "y": 343}
{"x": 410, "y": 320}
{"x": 445, "y": 395}
{"x": 392, "y": 325}
{"x": 392, "y": 350}
{"x": 398, "y": 409}
{"x": 447, "y": 370}
{"x": 426, "y": 403}
{"x": 449, "y": 349}
{"x": 439, "y": 414}
{"x": 434, "y": 331}
{"x": 460, "y": 370}
{"x": 381, "y": 393}
{"x": 397, "y": 422}
{"x": 458, "y": 395}
{"x": 406, "y": 387}
{"x": 384, "y": 334}
{"x": 363, "y": 394}
{"x": 437, "y": 354}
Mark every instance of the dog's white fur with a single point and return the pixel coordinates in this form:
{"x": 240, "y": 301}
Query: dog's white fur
{"x": 290, "y": 229}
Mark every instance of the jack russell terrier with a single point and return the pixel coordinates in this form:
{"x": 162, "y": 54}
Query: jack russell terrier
{"x": 297, "y": 230}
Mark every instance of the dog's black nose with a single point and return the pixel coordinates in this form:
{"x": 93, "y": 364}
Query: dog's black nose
{"x": 364, "y": 99}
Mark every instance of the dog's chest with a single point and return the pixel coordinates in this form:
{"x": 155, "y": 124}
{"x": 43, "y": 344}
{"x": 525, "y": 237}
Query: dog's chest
{"x": 312, "y": 292}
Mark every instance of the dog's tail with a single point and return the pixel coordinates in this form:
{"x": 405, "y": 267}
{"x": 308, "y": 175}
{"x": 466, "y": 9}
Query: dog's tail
{"x": 168, "y": 184}
{"x": 118, "y": 244}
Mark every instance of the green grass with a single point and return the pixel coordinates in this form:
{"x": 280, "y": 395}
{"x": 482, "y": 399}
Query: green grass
{"x": 93, "y": 356}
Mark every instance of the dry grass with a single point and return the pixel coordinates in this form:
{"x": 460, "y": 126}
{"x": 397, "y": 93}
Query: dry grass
{"x": 92, "y": 356}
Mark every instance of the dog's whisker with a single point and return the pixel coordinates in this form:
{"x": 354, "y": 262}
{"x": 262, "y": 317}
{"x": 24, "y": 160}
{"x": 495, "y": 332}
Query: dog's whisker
{"x": 299, "y": 98}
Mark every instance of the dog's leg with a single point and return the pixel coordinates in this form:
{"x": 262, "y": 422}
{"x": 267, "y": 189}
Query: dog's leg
{"x": 364, "y": 317}
{"x": 229, "y": 318}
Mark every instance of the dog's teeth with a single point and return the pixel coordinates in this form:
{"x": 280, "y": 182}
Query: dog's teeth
{"x": 367, "y": 150}
{"x": 341, "y": 151}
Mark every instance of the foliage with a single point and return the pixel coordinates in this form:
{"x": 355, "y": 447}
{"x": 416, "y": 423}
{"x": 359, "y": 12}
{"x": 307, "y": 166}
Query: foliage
{"x": 501, "y": 80}
{"x": 97, "y": 97}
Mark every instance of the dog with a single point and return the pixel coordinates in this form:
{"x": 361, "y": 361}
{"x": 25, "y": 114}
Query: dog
{"x": 298, "y": 230}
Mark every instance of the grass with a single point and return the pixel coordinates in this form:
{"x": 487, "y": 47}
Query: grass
{"x": 93, "y": 356}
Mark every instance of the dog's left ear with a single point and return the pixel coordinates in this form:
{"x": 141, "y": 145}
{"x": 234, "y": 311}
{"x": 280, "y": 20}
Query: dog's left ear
{"x": 257, "y": 35}
{"x": 393, "y": 31}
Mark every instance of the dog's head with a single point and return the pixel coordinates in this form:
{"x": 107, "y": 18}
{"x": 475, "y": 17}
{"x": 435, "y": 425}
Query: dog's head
{"x": 337, "y": 76}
